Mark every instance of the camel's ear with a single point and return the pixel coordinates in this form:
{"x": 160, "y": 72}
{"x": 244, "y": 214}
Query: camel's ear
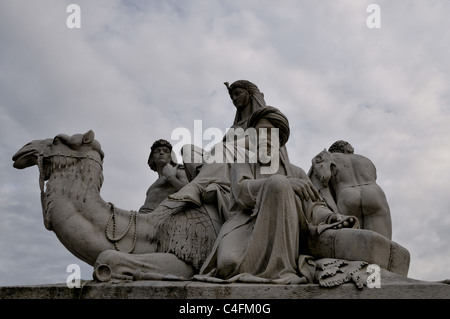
{"x": 88, "y": 137}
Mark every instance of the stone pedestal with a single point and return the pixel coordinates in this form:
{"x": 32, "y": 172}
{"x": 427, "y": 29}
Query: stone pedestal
{"x": 392, "y": 287}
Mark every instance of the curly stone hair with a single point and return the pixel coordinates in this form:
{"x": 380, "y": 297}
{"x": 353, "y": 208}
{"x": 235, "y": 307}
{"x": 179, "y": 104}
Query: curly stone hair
{"x": 341, "y": 147}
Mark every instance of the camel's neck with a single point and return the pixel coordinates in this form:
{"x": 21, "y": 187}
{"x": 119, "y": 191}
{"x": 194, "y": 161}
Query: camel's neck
{"x": 80, "y": 218}
{"x": 74, "y": 178}
{"x": 72, "y": 205}
{"x": 74, "y": 183}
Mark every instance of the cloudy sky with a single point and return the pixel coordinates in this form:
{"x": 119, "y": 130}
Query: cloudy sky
{"x": 137, "y": 70}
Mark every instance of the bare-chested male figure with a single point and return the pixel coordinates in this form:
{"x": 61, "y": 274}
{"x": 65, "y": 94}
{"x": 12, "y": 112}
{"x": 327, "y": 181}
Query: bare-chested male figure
{"x": 348, "y": 183}
{"x": 171, "y": 176}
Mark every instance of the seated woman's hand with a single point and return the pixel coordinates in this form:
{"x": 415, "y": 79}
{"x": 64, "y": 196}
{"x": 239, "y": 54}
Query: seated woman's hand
{"x": 304, "y": 189}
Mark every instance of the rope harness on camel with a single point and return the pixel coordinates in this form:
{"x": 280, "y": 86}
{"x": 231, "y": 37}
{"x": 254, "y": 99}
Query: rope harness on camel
{"x": 114, "y": 239}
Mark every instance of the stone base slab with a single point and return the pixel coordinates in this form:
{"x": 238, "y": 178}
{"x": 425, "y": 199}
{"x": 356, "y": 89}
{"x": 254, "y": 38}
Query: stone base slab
{"x": 392, "y": 287}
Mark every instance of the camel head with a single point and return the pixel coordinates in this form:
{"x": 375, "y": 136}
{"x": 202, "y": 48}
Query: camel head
{"x": 77, "y": 146}
{"x": 322, "y": 165}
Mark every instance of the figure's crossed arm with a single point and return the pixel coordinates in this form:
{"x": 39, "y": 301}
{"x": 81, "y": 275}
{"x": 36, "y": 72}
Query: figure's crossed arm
{"x": 175, "y": 176}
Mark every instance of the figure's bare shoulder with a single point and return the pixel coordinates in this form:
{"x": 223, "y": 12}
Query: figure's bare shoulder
{"x": 352, "y": 160}
{"x": 362, "y": 160}
{"x": 364, "y": 166}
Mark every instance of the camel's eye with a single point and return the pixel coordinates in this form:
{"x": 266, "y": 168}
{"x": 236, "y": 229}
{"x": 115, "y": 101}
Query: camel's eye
{"x": 61, "y": 138}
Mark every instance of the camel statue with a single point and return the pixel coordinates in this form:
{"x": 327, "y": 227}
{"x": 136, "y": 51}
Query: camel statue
{"x": 170, "y": 243}
{"x": 347, "y": 182}
{"x": 94, "y": 230}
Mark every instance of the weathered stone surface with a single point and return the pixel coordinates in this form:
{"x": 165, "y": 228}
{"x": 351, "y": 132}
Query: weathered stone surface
{"x": 392, "y": 287}
{"x": 204, "y": 230}
{"x": 304, "y": 241}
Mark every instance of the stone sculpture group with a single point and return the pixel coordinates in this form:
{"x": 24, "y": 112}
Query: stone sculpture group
{"x": 223, "y": 222}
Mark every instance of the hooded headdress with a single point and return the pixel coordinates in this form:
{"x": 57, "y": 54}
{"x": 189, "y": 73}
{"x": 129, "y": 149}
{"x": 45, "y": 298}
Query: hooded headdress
{"x": 256, "y": 96}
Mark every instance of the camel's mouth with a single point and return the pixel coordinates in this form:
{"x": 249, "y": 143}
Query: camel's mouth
{"x": 23, "y": 159}
{"x": 323, "y": 179}
{"x": 27, "y": 155}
